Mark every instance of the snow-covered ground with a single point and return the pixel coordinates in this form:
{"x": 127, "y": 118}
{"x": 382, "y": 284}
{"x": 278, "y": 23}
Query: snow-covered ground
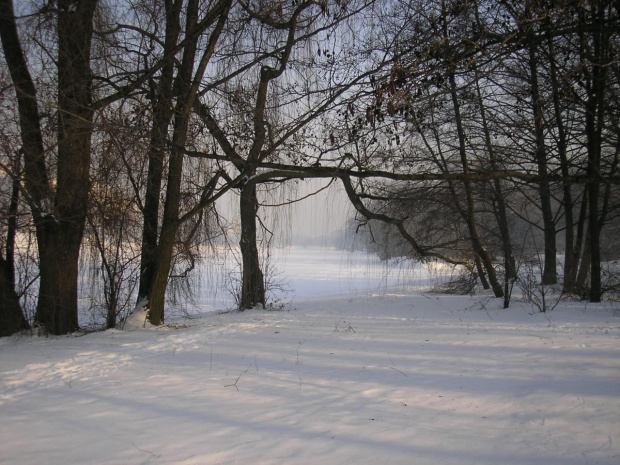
{"x": 357, "y": 369}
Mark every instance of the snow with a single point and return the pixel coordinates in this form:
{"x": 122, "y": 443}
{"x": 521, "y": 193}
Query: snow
{"x": 366, "y": 370}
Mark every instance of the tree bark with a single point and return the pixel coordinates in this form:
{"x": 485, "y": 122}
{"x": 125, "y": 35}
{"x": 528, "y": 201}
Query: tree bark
{"x": 36, "y": 179}
{"x": 12, "y": 318}
{"x": 550, "y": 269}
{"x": 598, "y": 57}
{"x": 162, "y": 114}
{"x": 584, "y": 268}
{"x": 510, "y": 269}
{"x": 470, "y": 216}
{"x": 59, "y": 247}
{"x": 185, "y": 88}
{"x": 481, "y": 275}
{"x": 59, "y": 222}
{"x": 12, "y": 225}
{"x": 59, "y": 238}
{"x": 252, "y": 279}
{"x": 169, "y": 228}
{"x": 157, "y": 294}
{"x": 571, "y": 256}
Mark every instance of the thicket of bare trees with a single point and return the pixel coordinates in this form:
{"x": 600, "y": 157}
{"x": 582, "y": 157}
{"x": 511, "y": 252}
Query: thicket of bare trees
{"x": 459, "y": 124}
{"x": 478, "y": 87}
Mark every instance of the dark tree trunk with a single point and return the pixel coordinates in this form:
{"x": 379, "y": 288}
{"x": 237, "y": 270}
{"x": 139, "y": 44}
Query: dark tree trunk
{"x": 571, "y": 257}
{"x": 599, "y": 58}
{"x": 160, "y": 283}
{"x": 59, "y": 247}
{"x": 252, "y": 280}
{"x": 481, "y": 274}
{"x": 110, "y": 321}
{"x": 185, "y": 89}
{"x": 162, "y": 114}
{"x": 170, "y": 218}
{"x": 584, "y": 268}
{"x": 510, "y": 270}
{"x": 550, "y": 269}
{"x": 594, "y": 245}
{"x": 36, "y": 179}
{"x": 582, "y": 256}
{"x": 59, "y": 223}
{"x": 470, "y": 217}
{"x": 581, "y": 228}
{"x": 12, "y": 225}
{"x": 148, "y": 252}
{"x": 59, "y": 238}
{"x": 12, "y": 318}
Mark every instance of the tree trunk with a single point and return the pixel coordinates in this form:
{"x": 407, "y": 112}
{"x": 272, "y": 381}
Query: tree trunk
{"x": 170, "y": 219}
{"x": 162, "y": 114}
{"x": 148, "y": 251}
{"x": 470, "y": 216}
{"x": 550, "y": 269}
{"x": 584, "y": 268}
{"x": 157, "y": 295}
{"x": 252, "y": 280}
{"x": 59, "y": 248}
{"x": 570, "y": 257}
{"x": 476, "y": 242}
{"x": 510, "y": 270}
{"x": 170, "y": 224}
{"x": 110, "y": 322}
{"x": 185, "y": 88}
{"x": 595, "y": 244}
{"x": 36, "y": 179}
{"x": 481, "y": 275}
{"x": 598, "y": 57}
{"x": 12, "y": 318}
{"x": 11, "y": 230}
{"x": 59, "y": 222}
{"x": 59, "y": 238}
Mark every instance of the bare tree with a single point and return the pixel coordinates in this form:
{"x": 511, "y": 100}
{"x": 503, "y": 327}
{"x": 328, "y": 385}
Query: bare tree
{"x": 186, "y": 87}
{"x": 275, "y": 102}
{"x": 59, "y": 209}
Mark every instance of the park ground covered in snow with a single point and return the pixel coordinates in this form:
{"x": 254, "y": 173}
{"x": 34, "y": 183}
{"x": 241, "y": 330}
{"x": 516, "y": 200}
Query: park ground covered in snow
{"x": 361, "y": 367}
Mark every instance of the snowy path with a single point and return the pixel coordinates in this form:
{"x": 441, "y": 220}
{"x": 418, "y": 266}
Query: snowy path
{"x": 390, "y": 380}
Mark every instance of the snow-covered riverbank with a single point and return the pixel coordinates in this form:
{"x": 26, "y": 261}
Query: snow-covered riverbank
{"x": 395, "y": 377}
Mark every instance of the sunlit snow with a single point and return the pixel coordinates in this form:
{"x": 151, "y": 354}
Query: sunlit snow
{"x": 361, "y": 366}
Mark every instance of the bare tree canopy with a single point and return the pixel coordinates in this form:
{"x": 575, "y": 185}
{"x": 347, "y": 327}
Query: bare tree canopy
{"x": 469, "y": 129}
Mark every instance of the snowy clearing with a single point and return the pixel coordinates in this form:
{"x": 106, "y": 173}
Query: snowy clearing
{"x": 393, "y": 377}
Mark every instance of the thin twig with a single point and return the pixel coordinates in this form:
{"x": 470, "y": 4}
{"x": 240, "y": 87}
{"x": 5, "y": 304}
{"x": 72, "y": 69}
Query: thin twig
{"x": 298, "y": 346}
{"x": 147, "y": 451}
{"x": 291, "y": 201}
{"x": 238, "y": 378}
{"x": 394, "y": 368}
